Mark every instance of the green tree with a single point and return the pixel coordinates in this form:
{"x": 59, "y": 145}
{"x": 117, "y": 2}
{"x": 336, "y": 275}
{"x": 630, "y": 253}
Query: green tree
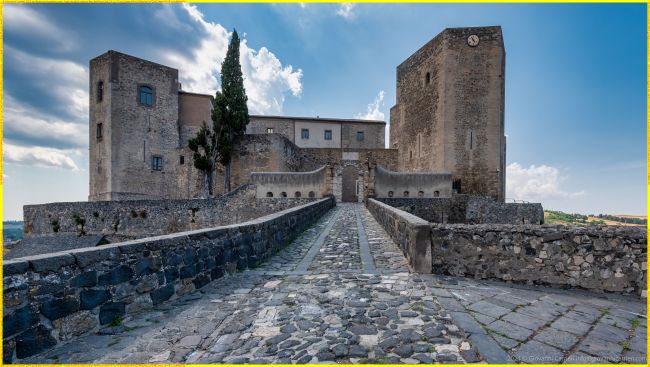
{"x": 204, "y": 146}
{"x": 230, "y": 113}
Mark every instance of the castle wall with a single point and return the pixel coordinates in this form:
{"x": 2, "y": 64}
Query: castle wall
{"x": 129, "y": 219}
{"x": 282, "y": 126}
{"x": 407, "y": 184}
{"x": 450, "y": 108}
{"x": 374, "y": 135}
{"x": 274, "y": 185}
{"x": 55, "y": 297}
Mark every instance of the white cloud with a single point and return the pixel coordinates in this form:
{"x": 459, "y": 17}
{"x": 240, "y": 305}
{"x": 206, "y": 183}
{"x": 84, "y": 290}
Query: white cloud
{"x": 66, "y": 79}
{"x": 266, "y": 81}
{"x": 535, "y": 183}
{"x": 372, "y": 111}
{"x": 25, "y": 124}
{"x": 27, "y": 21}
{"x": 39, "y": 156}
{"x": 346, "y": 10}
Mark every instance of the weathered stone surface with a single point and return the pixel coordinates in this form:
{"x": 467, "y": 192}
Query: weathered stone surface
{"x": 18, "y": 321}
{"x": 33, "y": 341}
{"x": 92, "y": 298}
{"x": 110, "y": 312}
{"x": 119, "y": 274}
{"x": 75, "y": 325}
{"x": 59, "y": 307}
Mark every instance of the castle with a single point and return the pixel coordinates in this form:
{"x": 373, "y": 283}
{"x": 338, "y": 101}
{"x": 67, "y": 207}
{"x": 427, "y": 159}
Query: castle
{"x": 447, "y": 125}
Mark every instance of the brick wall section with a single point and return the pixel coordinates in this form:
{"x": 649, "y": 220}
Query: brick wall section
{"x": 410, "y": 233}
{"x": 604, "y": 258}
{"x": 54, "y": 297}
{"x": 142, "y": 218}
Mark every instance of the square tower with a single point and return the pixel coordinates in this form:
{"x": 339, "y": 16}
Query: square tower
{"x": 134, "y": 132}
{"x": 449, "y": 115}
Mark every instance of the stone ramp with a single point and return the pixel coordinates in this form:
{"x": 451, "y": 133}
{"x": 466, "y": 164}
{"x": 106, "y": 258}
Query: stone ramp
{"x": 322, "y": 300}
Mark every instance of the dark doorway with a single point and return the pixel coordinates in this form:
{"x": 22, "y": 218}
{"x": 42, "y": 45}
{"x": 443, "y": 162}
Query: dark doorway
{"x": 349, "y": 189}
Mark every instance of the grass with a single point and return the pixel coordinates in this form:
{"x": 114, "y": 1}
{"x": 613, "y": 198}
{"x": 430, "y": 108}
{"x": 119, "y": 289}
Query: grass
{"x": 635, "y": 322}
{"x": 625, "y": 344}
{"x": 153, "y": 321}
{"x": 604, "y": 311}
{"x": 116, "y": 322}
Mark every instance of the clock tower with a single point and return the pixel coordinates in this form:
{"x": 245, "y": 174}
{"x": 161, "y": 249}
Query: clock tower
{"x": 449, "y": 115}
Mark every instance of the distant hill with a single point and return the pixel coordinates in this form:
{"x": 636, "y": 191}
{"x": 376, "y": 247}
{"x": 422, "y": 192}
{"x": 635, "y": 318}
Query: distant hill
{"x": 12, "y": 230}
{"x": 558, "y": 217}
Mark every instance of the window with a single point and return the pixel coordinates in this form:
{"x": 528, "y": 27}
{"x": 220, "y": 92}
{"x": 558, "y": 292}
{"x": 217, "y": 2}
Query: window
{"x": 456, "y": 186}
{"x": 298, "y": 194}
{"x": 100, "y": 133}
{"x": 283, "y": 194}
{"x": 269, "y": 130}
{"x": 304, "y": 133}
{"x": 100, "y": 91}
{"x": 156, "y": 163}
{"x": 328, "y": 134}
{"x": 436, "y": 194}
{"x": 182, "y": 160}
{"x": 406, "y": 194}
{"x": 269, "y": 194}
{"x": 359, "y": 135}
{"x": 420, "y": 194}
{"x": 390, "y": 194}
{"x": 427, "y": 79}
{"x": 146, "y": 95}
{"x": 312, "y": 194}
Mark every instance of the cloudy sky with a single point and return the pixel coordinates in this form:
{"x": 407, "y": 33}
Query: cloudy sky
{"x": 575, "y": 83}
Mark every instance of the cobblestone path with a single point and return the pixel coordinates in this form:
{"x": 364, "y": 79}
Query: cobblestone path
{"x": 342, "y": 293}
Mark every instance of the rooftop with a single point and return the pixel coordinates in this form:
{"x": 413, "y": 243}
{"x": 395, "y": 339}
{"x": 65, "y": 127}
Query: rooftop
{"x": 318, "y": 119}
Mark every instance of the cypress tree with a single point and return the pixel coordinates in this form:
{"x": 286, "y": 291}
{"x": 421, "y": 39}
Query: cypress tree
{"x": 230, "y": 113}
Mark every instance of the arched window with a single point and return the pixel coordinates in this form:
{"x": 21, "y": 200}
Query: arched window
{"x": 420, "y": 193}
{"x": 269, "y": 194}
{"x": 283, "y": 194}
{"x": 436, "y": 194}
{"x": 298, "y": 194}
{"x": 390, "y": 194}
{"x": 312, "y": 194}
{"x": 146, "y": 95}
{"x": 406, "y": 194}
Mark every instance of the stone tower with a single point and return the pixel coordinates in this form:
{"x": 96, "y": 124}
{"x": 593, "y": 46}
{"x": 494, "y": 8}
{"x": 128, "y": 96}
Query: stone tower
{"x": 449, "y": 114}
{"x": 134, "y": 128}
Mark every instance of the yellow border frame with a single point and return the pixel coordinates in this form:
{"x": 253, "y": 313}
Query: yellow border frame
{"x": 325, "y": 1}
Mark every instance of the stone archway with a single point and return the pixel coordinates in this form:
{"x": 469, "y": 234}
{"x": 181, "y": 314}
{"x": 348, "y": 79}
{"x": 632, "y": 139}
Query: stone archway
{"x": 349, "y": 184}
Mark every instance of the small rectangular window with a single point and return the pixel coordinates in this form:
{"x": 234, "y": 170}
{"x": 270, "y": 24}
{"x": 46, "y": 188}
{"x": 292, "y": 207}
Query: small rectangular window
{"x": 156, "y": 163}
{"x": 100, "y": 91}
{"x": 359, "y": 135}
{"x": 182, "y": 160}
{"x": 304, "y": 133}
{"x": 100, "y": 133}
{"x": 328, "y": 134}
{"x": 269, "y": 130}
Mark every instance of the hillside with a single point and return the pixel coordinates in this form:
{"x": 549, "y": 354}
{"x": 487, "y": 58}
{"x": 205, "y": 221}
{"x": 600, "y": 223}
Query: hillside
{"x": 558, "y": 217}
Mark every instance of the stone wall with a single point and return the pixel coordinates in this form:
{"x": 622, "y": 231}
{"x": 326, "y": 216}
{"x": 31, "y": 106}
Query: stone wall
{"x": 411, "y": 184}
{"x": 469, "y": 209}
{"x": 55, "y": 297}
{"x": 143, "y": 218}
{"x": 291, "y": 184}
{"x": 604, "y": 258}
{"x": 410, "y": 233}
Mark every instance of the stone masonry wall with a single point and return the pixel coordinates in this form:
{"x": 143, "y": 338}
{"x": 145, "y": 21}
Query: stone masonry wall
{"x": 291, "y": 184}
{"x": 142, "y": 218}
{"x": 55, "y": 297}
{"x": 604, "y": 258}
{"x": 410, "y": 233}
{"x": 469, "y": 209}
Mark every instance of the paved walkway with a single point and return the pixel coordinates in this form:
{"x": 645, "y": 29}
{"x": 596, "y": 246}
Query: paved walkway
{"x": 342, "y": 293}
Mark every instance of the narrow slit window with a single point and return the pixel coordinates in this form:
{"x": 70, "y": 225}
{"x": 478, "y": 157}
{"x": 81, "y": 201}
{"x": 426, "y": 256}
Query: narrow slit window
{"x": 100, "y": 91}
{"x": 100, "y": 132}
{"x": 157, "y": 163}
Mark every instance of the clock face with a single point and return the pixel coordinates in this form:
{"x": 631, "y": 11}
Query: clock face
{"x": 472, "y": 40}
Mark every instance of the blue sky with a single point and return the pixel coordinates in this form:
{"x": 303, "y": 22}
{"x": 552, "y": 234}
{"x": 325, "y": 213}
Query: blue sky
{"x": 575, "y": 83}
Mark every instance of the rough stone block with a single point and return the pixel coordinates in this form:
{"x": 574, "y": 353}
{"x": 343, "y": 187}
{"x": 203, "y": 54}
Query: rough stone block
{"x": 13, "y": 267}
{"x": 89, "y": 256}
{"x": 111, "y": 311}
{"x": 18, "y": 321}
{"x": 162, "y": 294}
{"x": 86, "y": 279}
{"x": 92, "y": 298}
{"x": 50, "y": 262}
{"x": 117, "y": 275}
{"x": 59, "y": 307}
{"x": 34, "y": 341}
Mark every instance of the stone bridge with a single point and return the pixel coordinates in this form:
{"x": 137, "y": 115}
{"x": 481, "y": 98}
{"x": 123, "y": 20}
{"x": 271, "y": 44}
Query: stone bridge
{"x": 342, "y": 292}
